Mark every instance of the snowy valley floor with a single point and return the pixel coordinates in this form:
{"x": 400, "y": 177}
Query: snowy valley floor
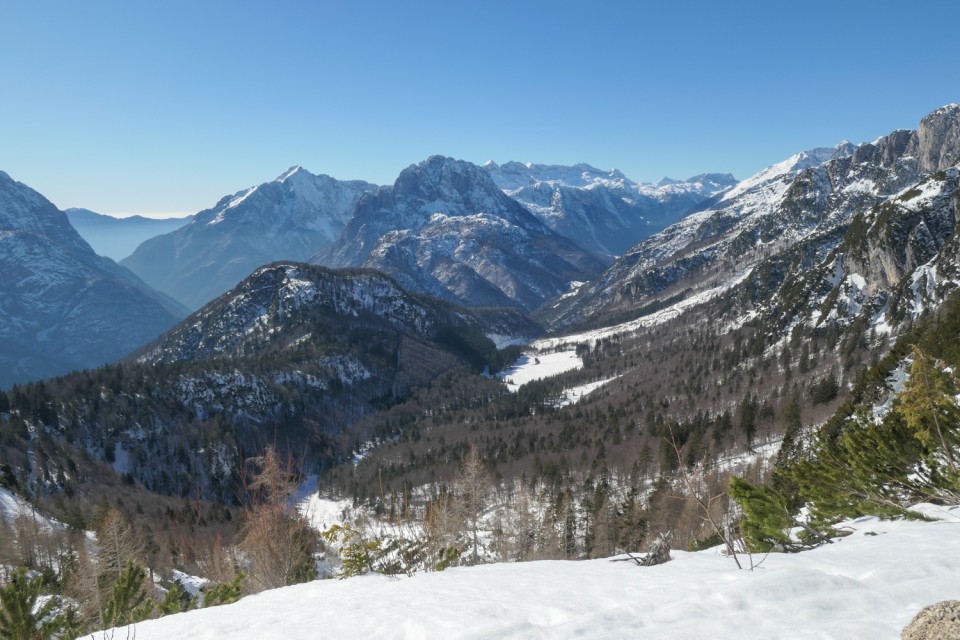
{"x": 867, "y": 585}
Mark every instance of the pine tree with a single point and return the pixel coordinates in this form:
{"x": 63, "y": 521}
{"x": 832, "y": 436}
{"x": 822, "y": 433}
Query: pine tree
{"x": 21, "y": 618}
{"x": 766, "y": 518}
{"x": 224, "y": 592}
{"x": 129, "y": 601}
{"x": 175, "y": 600}
{"x": 929, "y": 409}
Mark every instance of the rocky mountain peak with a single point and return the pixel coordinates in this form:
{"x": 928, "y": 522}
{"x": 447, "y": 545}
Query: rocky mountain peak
{"x": 292, "y": 171}
{"x": 939, "y": 139}
{"x": 63, "y": 306}
{"x": 447, "y": 180}
{"x": 24, "y": 210}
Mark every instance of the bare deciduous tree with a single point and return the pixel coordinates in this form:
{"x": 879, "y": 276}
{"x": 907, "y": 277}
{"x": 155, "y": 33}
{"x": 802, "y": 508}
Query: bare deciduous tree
{"x": 473, "y": 487}
{"x": 278, "y": 540}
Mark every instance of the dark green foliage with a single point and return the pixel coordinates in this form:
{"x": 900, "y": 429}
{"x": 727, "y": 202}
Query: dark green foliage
{"x": 360, "y": 554}
{"x": 22, "y": 619}
{"x": 824, "y": 390}
{"x": 175, "y": 600}
{"x": 129, "y": 601}
{"x": 928, "y": 407}
{"x": 766, "y": 517}
{"x": 224, "y": 592}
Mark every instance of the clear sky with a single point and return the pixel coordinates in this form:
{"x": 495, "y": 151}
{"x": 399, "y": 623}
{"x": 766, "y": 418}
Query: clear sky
{"x": 164, "y": 107}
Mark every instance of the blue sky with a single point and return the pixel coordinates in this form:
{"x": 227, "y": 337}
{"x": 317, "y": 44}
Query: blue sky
{"x": 135, "y": 107}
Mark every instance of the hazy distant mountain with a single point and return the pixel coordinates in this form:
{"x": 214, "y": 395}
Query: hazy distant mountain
{"x": 603, "y": 211}
{"x": 290, "y": 218}
{"x": 445, "y": 228}
{"x": 117, "y": 237}
{"x": 62, "y": 306}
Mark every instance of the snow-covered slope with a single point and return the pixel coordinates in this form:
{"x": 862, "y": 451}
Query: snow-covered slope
{"x": 63, "y": 307}
{"x": 867, "y": 585}
{"x": 603, "y": 211}
{"x": 117, "y": 238}
{"x": 446, "y": 229}
{"x": 288, "y": 306}
{"x": 290, "y": 218}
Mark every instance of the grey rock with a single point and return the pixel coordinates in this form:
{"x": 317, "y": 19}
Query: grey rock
{"x": 446, "y": 229}
{"x": 940, "y": 621}
{"x": 939, "y": 139}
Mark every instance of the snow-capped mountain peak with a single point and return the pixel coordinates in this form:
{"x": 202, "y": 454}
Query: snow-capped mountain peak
{"x": 290, "y": 218}
{"x": 793, "y": 165}
{"x": 290, "y": 172}
{"x": 446, "y": 228}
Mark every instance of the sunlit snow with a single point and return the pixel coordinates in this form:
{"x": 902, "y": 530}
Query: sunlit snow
{"x": 867, "y": 585}
{"x": 530, "y": 367}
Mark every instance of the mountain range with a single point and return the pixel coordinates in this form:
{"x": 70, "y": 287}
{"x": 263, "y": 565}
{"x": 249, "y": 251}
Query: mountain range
{"x": 864, "y": 222}
{"x": 776, "y": 317}
{"x": 603, "y": 211}
{"x": 445, "y": 228}
{"x": 289, "y": 218}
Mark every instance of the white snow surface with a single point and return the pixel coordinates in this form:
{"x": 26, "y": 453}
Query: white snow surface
{"x": 573, "y": 395}
{"x": 532, "y": 366}
{"x": 867, "y": 585}
{"x": 658, "y": 317}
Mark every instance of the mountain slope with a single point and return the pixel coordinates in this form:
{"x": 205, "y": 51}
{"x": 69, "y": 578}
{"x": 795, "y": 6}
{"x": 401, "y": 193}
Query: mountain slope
{"x": 292, "y": 356}
{"x": 604, "y": 212}
{"x": 786, "y": 220}
{"x": 64, "y": 307}
{"x": 285, "y": 306}
{"x": 117, "y": 238}
{"x": 289, "y": 218}
{"x": 446, "y": 229}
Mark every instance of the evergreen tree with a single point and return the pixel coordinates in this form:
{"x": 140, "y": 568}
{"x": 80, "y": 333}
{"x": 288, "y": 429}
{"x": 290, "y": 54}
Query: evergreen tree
{"x": 928, "y": 406}
{"x": 224, "y": 592}
{"x": 766, "y": 518}
{"x": 21, "y": 618}
{"x": 129, "y": 601}
{"x": 175, "y": 600}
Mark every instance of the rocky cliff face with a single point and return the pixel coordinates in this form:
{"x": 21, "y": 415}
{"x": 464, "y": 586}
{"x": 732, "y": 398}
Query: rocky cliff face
{"x": 446, "y": 229}
{"x": 938, "y": 139}
{"x": 63, "y": 307}
{"x": 826, "y": 236}
{"x": 289, "y": 218}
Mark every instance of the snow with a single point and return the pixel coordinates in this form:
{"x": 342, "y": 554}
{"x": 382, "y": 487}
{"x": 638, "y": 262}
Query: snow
{"x": 574, "y": 289}
{"x": 867, "y": 585}
{"x": 530, "y": 367}
{"x": 191, "y": 584}
{"x": 659, "y": 317}
{"x": 11, "y": 506}
{"x": 323, "y": 513}
{"x": 791, "y": 166}
{"x": 573, "y": 395}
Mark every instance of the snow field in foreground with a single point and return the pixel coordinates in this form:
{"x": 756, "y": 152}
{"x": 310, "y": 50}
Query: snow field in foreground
{"x": 867, "y": 585}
